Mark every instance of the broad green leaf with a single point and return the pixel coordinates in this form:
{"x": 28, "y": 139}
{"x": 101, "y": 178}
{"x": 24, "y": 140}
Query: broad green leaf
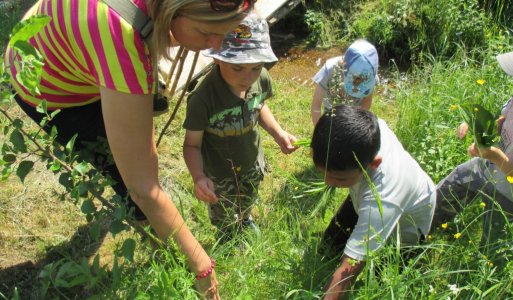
{"x": 120, "y": 213}
{"x": 42, "y": 107}
{"x": 128, "y": 249}
{"x": 23, "y": 169}
{"x": 31, "y": 66}
{"x": 9, "y": 158}
{"x": 17, "y": 123}
{"x": 88, "y": 207}
{"x": 65, "y": 180}
{"x": 6, "y": 172}
{"x": 482, "y": 124}
{"x": 70, "y": 144}
{"x": 116, "y": 227}
{"x": 81, "y": 168}
{"x": 55, "y": 166}
{"x": 25, "y": 29}
{"x": 18, "y": 141}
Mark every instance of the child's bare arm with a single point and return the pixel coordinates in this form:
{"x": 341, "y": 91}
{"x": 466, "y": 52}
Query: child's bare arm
{"x": 366, "y": 102}
{"x": 495, "y": 155}
{"x": 315, "y": 109}
{"x": 343, "y": 278}
{"x": 284, "y": 139}
{"x": 203, "y": 187}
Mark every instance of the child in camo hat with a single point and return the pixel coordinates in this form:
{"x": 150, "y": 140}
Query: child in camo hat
{"x": 222, "y": 147}
{"x": 348, "y": 79}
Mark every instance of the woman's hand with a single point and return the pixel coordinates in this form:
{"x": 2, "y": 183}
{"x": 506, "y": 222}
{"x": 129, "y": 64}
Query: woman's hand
{"x": 204, "y": 190}
{"x": 207, "y": 287}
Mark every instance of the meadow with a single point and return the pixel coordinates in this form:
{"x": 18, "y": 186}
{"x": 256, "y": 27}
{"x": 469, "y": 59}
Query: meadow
{"x": 51, "y": 249}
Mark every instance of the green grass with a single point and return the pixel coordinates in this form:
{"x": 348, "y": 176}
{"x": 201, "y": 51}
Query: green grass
{"x": 40, "y": 233}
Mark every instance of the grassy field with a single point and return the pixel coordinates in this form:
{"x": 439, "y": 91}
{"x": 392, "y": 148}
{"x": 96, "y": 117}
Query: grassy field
{"x": 46, "y": 249}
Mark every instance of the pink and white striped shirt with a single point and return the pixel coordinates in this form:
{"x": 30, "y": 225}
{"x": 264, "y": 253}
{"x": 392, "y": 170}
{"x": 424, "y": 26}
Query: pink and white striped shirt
{"x": 85, "y": 46}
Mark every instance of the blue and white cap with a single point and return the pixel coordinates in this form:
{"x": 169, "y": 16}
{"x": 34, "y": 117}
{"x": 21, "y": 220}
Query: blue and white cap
{"x": 248, "y": 43}
{"x": 361, "y": 69}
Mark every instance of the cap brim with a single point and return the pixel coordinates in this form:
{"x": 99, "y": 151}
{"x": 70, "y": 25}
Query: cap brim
{"x": 241, "y": 57}
{"x": 506, "y": 62}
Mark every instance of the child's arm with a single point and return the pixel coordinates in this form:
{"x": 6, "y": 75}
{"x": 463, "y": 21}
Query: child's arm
{"x": 343, "y": 278}
{"x": 366, "y": 102}
{"x": 282, "y": 138}
{"x": 203, "y": 186}
{"x": 495, "y": 155}
{"x": 315, "y": 109}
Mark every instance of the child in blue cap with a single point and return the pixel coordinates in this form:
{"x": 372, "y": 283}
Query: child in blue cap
{"x": 348, "y": 79}
{"x": 222, "y": 147}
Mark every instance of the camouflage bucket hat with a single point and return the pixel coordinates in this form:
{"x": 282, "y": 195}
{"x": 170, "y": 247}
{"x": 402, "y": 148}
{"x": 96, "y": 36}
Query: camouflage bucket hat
{"x": 249, "y": 43}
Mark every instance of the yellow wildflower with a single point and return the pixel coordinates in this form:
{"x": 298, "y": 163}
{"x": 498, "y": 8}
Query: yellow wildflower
{"x": 482, "y": 205}
{"x": 476, "y": 109}
{"x": 489, "y": 263}
{"x": 295, "y": 188}
{"x": 457, "y": 235}
{"x": 429, "y": 237}
{"x": 480, "y": 81}
{"x": 453, "y": 107}
{"x": 444, "y": 225}
{"x": 510, "y": 179}
{"x": 238, "y": 169}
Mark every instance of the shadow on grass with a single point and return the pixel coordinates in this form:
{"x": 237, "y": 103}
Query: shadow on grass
{"x": 23, "y": 279}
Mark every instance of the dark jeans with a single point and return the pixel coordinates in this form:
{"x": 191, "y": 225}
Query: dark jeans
{"x": 466, "y": 184}
{"x": 340, "y": 228}
{"x": 91, "y": 142}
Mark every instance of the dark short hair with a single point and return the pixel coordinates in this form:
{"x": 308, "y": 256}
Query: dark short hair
{"x": 344, "y": 138}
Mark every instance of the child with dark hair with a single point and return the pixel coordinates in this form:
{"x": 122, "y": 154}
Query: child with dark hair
{"x": 356, "y": 150}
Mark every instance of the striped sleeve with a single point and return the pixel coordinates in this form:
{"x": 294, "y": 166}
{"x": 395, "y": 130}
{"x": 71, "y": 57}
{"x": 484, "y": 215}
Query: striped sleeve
{"x": 117, "y": 55}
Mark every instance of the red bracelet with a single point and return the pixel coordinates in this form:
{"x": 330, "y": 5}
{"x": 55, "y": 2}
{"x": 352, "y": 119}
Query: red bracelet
{"x": 208, "y": 272}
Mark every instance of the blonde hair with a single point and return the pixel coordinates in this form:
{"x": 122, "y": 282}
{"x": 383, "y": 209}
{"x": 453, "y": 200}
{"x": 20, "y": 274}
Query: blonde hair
{"x": 163, "y": 11}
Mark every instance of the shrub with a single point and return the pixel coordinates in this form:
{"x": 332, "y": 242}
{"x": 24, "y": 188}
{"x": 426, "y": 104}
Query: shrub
{"x": 404, "y": 29}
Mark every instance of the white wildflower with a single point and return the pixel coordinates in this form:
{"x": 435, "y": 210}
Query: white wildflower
{"x": 454, "y": 289}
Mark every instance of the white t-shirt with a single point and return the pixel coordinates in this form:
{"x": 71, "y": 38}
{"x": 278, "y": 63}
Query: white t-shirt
{"x": 407, "y": 196}
{"x": 334, "y": 90}
{"x": 494, "y": 174}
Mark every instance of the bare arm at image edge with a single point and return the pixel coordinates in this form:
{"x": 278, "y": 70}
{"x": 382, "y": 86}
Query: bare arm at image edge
{"x": 315, "y": 109}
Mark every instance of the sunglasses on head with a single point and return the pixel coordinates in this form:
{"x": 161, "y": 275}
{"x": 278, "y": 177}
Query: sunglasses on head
{"x": 231, "y": 5}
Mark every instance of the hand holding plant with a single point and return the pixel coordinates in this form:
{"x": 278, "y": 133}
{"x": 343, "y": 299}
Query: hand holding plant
{"x": 286, "y": 142}
{"x": 481, "y": 123}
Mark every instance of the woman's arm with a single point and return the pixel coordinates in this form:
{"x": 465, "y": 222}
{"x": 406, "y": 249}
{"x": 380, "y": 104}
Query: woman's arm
{"x": 129, "y": 125}
{"x": 282, "y": 138}
{"x": 343, "y": 278}
{"x": 203, "y": 187}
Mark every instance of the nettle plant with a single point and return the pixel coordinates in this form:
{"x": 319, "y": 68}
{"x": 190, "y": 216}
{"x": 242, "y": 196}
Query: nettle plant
{"x": 21, "y": 148}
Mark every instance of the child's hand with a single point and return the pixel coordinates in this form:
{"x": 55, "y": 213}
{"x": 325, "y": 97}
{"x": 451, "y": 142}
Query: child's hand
{"x": 489, "y": 153}
{"x": 285, "y": 140}
{"x": 204, "y": 190}
{"x": 462, "y": 130}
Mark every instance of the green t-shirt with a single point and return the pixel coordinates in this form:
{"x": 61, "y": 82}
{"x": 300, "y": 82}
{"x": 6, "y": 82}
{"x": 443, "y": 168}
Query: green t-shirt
{"x": 231, "y": 141}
